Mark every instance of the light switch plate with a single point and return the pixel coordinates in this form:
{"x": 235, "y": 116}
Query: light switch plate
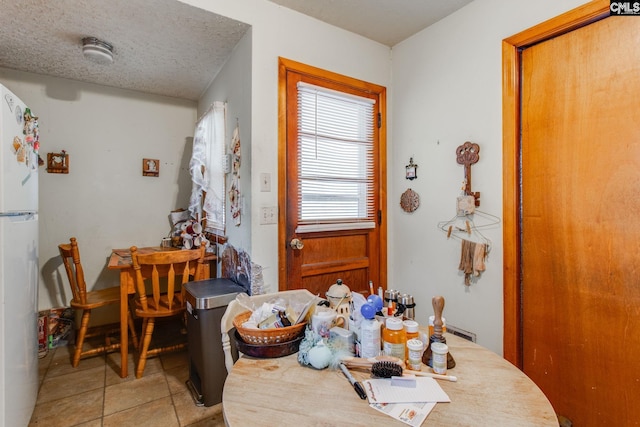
{"x": 265, "y": 182}
{"x": 268, "y": 215}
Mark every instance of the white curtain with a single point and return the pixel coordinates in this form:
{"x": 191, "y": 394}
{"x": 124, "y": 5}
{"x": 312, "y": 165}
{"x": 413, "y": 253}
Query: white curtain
{"x": 207, "y": 168}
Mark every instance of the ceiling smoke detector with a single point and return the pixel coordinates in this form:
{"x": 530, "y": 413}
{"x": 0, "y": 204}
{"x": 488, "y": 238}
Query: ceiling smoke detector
{"x": 97, "y": 50}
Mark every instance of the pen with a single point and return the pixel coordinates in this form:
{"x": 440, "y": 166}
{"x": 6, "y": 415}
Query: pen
{"x": 356, "y": 385}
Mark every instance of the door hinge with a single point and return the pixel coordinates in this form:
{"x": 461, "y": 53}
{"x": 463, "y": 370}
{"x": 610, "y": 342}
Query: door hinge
{"x": 379, "y": 120}
{"x": 379, "y": 217}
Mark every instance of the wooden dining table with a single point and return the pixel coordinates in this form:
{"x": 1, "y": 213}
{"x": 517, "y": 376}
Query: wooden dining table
{"x": 120, "y": 259}
{"x": 489, "y": 391}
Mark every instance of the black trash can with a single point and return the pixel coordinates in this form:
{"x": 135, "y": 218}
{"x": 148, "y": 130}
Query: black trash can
{"x": 207, "y": 301}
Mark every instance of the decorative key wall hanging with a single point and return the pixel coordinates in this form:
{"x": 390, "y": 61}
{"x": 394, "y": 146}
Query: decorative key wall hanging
{"x": 463, "y": 226}
{"x": 468, "y": 154}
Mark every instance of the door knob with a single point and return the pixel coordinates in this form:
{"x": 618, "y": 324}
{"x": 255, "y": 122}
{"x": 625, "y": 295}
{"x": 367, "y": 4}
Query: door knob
{"x": 296, "y": 244}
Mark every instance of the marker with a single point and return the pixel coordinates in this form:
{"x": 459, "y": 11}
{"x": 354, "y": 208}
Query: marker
{"x": 356, "y": 385}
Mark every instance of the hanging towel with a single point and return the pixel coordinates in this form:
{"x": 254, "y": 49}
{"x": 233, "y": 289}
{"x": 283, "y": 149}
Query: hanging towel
{"x": 478, "y": 258}
{"x": 472, "y": 256}
{"x": 467, "y": 253}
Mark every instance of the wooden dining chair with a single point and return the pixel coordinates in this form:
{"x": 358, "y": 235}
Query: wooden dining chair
{"x": 86, "y": 301}
{"x": 164, "y": 269}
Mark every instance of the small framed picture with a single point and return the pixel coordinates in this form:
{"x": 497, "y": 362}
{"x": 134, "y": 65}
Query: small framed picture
{"x": 58, "y": 162}
{"x": 411, "y": 170}
{"x": 150, "y": 167}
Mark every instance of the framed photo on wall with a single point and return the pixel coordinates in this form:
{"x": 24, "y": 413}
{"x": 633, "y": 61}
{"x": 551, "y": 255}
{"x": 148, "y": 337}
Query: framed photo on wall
{"x": 150, "y": 167}
{"x": 411, "y": 170}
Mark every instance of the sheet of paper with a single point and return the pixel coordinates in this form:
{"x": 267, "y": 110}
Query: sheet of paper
{"x": 413, "y": 414}
{"x": 380, "y": 390}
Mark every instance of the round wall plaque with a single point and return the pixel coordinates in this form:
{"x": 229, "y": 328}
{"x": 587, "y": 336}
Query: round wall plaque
{"x": 409, "y": 201}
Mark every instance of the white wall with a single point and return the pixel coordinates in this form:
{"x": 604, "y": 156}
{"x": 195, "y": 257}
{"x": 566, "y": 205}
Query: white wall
{"x": 104, "y": 201}
{"x": 277, "y": 31}
{"x": 447, "y": 90}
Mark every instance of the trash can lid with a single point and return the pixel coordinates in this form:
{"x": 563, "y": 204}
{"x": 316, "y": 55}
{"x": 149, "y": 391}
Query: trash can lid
{"x": 212, "y": 293}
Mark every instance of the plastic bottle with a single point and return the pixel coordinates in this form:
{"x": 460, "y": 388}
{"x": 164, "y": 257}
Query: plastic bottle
{"x": 411, "y": 330}
{"x": 394, "y": 338}
{"x": 439, "y": 356}
{"x": 415, "y": 349}
{"x": 369, "y": 332}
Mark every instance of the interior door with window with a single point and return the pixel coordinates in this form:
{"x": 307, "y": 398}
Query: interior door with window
{"x": 331, "y": 180}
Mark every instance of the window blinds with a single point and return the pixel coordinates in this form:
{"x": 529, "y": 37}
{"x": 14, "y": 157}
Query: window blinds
{"x": 335, "y": 160}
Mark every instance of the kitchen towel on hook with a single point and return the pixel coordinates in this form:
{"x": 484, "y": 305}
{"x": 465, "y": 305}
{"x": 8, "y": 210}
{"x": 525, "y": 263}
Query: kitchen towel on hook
{"x": 472, "y": 255}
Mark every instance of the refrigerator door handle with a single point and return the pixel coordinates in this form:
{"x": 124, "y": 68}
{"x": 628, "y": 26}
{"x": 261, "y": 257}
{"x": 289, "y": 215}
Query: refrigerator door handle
{"x": 28, "y": 214}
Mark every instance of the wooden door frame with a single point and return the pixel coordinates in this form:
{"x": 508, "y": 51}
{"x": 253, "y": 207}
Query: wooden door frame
{"x": 511, "y": 149}
{"x": 285, "y": 65}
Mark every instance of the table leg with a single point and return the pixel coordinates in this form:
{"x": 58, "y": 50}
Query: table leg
{"x": 124, "y": 326}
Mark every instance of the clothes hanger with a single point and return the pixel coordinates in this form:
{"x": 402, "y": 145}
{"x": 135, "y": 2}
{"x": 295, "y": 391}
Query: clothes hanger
{"x": 463, "y": 227}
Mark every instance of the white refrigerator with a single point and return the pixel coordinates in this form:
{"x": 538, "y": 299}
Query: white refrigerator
{"x": 18, "y": 261}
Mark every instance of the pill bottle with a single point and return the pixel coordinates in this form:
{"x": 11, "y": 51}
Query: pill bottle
{"x": 415, "y": 349}
{"x": 394, "y": 338}
{"x": 439, "y": 357}
{"x": 411, "y": 330}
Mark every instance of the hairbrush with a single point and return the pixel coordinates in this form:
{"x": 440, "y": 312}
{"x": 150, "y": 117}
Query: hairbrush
{"x": 386, "y": 369}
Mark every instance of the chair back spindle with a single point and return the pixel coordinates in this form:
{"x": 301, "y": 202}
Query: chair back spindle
{"x": 70, "y": 254}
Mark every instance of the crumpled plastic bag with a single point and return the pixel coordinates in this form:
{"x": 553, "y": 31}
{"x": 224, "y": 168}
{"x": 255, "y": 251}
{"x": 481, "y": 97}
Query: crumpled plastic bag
{"x": 299, "y": 303}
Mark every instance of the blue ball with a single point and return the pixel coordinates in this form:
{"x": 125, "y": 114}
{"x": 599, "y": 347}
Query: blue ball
{"x": 368, "y": 311}
{"x": 376, "y": 301}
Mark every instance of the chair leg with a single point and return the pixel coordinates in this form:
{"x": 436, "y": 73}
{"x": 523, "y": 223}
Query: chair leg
{"x": 132, "y": 330}
{"x": 84, "y": 325}
{"x": 147, "y": 331}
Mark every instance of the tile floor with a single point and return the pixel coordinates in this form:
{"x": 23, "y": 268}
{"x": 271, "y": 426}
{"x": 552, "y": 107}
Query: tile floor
{"x": 94, "y": 395}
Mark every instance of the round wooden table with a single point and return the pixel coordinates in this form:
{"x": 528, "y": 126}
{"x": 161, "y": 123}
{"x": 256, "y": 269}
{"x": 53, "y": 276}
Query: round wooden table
{"x": 490, "y": 391}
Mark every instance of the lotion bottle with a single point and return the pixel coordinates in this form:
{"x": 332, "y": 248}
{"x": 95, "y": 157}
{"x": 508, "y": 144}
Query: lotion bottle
{"x": 369, "y": 332}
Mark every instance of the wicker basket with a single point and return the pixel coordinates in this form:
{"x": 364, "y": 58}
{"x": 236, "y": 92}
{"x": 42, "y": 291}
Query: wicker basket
{"x": 266, "y": 336}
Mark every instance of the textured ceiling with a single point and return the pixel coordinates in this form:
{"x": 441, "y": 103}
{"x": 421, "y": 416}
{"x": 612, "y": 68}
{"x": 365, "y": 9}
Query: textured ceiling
{"x": 169, "y": 48}
{"x": 163, "y": 47}
{"x": 385, "y": 21}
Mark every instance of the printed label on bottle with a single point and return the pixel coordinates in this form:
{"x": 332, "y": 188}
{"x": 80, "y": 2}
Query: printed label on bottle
{"x": 370, "y": 342}
{"x": 395, "y": 350}
{"x": 439, "y": 363}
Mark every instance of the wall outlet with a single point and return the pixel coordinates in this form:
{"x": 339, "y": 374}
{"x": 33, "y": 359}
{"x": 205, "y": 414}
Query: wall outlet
{"x": 268, "y": 215}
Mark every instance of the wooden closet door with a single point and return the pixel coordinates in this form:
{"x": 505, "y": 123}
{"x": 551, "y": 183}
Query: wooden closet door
{"x": 580, "y": 225}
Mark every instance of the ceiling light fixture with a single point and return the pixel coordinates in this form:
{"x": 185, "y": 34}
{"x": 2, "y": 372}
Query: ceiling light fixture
{"x": 97, "y": 50}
